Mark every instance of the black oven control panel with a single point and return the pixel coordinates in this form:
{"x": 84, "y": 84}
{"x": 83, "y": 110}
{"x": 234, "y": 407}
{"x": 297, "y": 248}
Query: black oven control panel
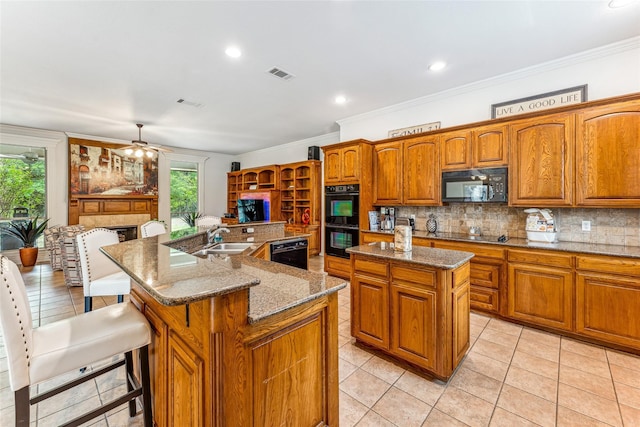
{"x": 337, "y": 189}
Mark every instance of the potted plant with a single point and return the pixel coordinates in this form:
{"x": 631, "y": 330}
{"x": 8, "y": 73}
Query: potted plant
{"x": 27, "y": 231}
{"x": 190, "y": 218}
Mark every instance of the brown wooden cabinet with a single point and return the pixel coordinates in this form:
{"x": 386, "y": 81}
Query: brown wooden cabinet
{"x": 406, "y": 172}
{"x": 608, "y": 155}
{"x": 342, "y": 163}
{"x": 476, "y": 147}
{"x": 541, "y": 161}
{"x": 234, "y": 186}
{"x": 338, "y": 267}
{"x": 541, "y": 288}
{"x": 387, "y": 173}
{"x": 487, "y": 275}
{"x": 608, "y": 299}
{"x": 300, "y": 200}
{"x": 418, "y": 314}
{"x": 420, "y": 173}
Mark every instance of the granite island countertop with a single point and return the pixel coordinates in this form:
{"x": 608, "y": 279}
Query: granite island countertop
{"x": 174, "y": 277}
{"x": 588, "y": 248}
{"x": 431, "y": 257}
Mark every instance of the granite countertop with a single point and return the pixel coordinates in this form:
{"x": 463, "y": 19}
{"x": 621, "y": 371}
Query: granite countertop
{"x": 432, "y": 257}
{"x": 174, "y": 277}
{"x": 588, "y": 248}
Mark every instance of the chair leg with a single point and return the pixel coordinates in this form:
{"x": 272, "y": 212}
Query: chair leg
{"x": 23, "y": 407}
{"x": 128, "y": 358}
{"x": 88, "y": 304}
{"x": 146, "y": 387}
{"x": 120, "y": 298}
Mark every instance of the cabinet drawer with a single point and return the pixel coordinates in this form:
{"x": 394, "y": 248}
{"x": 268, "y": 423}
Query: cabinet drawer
{"x": 339, "y": 267}
{"x": 423, "y": 277}
{"x": 480, "y": 250}
{"x": 484, "y": 299}
{"x": 375, "y": 237}
{"x": 541, "y": 258}
{"x": 625, "y": 266}
{"x": 370, "y": 267}
{"x": 485, "y": 275}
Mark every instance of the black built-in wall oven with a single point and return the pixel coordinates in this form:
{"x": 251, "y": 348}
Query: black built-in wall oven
{"x": 342, "y": 204}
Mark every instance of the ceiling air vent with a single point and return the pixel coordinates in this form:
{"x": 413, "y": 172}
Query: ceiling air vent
{"x": 281, "y": 74}
{"x": 190, "y": 103}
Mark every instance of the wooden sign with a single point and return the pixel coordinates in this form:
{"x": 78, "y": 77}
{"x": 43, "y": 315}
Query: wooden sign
{"x": 558, "y": 98}
{"x": 414, "y": 129}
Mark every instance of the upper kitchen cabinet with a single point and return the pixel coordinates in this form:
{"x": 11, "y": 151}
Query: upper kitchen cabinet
{"x": 541, "y": 161}
{"x": 406, "y": 172}
{"x": 608, "y": 156}
{"x": 387, "y": 173}
{"x": 342, "y": 163}
{"x": 421, "y": 175}
{"x": 478, "y": 147}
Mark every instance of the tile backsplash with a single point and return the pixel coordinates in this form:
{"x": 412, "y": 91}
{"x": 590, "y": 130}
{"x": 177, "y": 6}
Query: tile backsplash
{"x": 608, "y": 226}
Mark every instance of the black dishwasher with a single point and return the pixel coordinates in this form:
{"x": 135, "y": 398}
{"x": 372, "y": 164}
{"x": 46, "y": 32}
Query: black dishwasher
{"x": 291, "y": 252}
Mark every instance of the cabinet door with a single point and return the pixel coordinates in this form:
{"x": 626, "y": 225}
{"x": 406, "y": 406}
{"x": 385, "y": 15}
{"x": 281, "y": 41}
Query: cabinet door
{"x": 332, "y": 166}
{"x": 387, "y": 173}
{"x": 455, "y": 149}
{"x": 414, "y": 324}
{"x": 350, "y": 170}
{"x": 607, "y": 308}
{"x": 421, "y": 175}
{"x": 541, "y": 166}
{"x": 541, "y": 294}
{"x": 370, "y": 310}
{"x": 158, "y": 366}
{"x": 489, "y": 146}
{"x": 185, "y": 385}
{"x": 608, "y": 156}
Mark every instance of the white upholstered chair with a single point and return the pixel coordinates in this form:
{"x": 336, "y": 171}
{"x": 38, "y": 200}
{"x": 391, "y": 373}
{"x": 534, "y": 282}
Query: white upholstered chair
{"x": 152, "y": 228}
{"x": 208, "y": 221}
{"x": 35, "y": 355}
{"x": 100, "y": 275}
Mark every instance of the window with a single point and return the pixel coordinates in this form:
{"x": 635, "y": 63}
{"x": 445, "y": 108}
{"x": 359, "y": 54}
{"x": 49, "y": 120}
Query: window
{"x": 23, "y": 192}
{"x": 184, "y": 192}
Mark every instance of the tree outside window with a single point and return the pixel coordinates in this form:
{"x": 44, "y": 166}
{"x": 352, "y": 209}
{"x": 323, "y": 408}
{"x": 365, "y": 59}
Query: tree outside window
{"x": 184, "y": 192}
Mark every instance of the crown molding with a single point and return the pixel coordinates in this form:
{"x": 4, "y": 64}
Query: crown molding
{"x": 97, "y": 138}
{"x": 589, "y": 55}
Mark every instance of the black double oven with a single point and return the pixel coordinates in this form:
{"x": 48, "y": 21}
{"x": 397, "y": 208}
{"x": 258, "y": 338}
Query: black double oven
{"x": 342, "y": 204}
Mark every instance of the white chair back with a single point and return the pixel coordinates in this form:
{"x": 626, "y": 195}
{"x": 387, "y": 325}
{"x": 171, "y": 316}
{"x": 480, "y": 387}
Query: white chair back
{"x": 152, "y": 228}
{"x": 208, "y": 221}
{"x": 94, "y": 263}
{"x": 16, "y": 323}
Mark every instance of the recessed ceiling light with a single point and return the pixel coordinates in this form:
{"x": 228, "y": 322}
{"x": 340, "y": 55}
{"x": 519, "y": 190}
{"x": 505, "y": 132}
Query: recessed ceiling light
{"x": 437, "y": 66}
{"x": 233, "y": 52}
{"x": 615, "y": 4}
{"x": 340, "y": 99}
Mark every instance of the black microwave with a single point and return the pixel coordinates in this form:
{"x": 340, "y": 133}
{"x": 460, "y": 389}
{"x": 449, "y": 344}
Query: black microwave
{"x": 475, "y": 186}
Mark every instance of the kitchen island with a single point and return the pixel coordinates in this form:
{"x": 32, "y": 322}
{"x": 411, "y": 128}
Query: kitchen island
{"x": 238, "y": 341}
{"x": 413, "y": 306}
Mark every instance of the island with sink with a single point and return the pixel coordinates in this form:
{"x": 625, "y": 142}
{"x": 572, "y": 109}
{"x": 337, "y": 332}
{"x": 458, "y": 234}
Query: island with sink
{"x": 237, "y": 340}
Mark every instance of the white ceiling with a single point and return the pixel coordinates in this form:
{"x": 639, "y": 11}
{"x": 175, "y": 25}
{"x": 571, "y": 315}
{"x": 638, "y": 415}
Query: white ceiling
{"x": 97, "y": 68}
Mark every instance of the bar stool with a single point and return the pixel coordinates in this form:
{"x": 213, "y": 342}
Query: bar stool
{"x": 152, "y": 228}
{"x": 35, "y": 355}
{"x": 208, "y": 221}
{"x": 100, "y": 276}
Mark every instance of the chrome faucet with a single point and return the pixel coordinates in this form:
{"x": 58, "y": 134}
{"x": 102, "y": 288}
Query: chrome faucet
{"x": 213, "y": 234}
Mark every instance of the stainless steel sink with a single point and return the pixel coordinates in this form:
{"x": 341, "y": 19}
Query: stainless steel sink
{"x": 223, "y": 249}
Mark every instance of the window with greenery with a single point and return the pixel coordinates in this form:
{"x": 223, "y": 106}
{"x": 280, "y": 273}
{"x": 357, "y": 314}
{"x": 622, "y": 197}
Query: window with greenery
{"x": 184, "y": 192}
{"x": 22, "y": 188}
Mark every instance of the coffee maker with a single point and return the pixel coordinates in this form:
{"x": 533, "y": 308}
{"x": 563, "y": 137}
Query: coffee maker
{"x": 387, "y": 218}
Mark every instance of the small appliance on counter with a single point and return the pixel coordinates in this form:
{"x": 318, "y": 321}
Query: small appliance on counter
{"x": 387, "y": 218}
{"x": 541, "y": 226}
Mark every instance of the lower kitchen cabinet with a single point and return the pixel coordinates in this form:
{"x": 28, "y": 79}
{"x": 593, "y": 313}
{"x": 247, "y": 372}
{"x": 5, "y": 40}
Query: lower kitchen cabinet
{"x": 314, "y": 235}
{"x": 338, "y": 267}
{"x": 608, "y": 299}
{"x": 487, "y": 273}
{"x": 418, "y": 314}
{"x": 540, "y": 288}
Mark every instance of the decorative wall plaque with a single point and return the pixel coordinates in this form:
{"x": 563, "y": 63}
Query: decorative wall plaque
{"x": 558, "y": 98}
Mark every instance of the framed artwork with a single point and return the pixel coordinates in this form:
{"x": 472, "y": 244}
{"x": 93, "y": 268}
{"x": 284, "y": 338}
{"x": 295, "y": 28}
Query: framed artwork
{"x": 104, "y": 169}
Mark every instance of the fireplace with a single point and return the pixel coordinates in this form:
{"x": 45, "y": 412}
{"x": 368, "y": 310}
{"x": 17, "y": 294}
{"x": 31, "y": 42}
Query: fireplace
{"x": 125, "y": 232}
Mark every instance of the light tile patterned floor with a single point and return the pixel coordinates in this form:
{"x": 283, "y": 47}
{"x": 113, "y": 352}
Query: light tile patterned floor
{"x": 512, "y": 376}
